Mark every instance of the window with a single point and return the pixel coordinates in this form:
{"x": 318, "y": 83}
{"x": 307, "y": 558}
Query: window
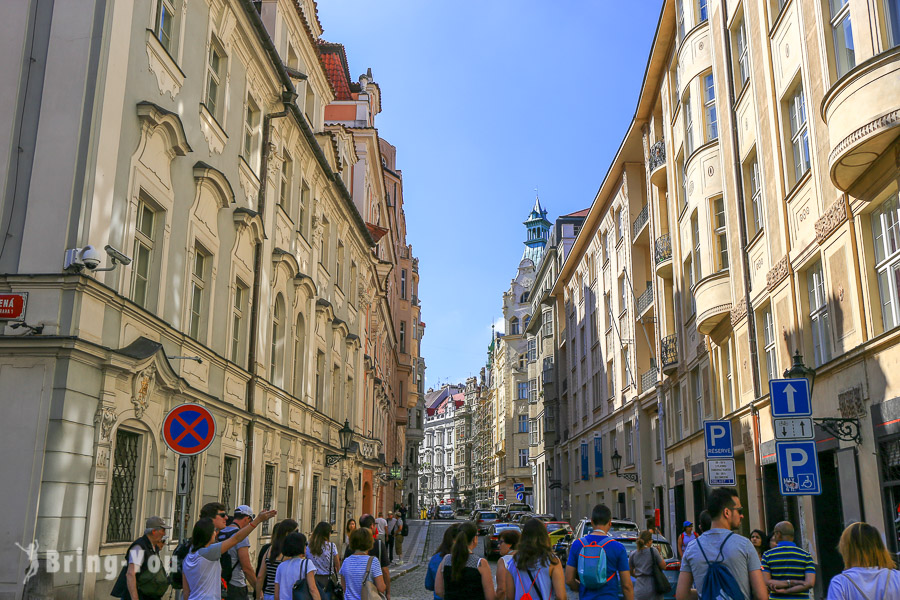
{"x": 532, "y": 350}
{"x": 892, "y": 13}
{"x": 523, "y": 423}
{"x": 314, "y": 501}
{"x": 214, "y": 84}
{"x": 284, "y": 189}
{"x": 237, "y": 321}
{"x": 688, "y": 126}
{"x": 679, "y": 425}
{"x": 304, "y": 206}
{"x": 709, "y": 107}
{"x": 123, "y": 487}
{"x": 229, "y": 483}
{"x": 309, "y": 105}
{"x": 623, "y": 223}
{"x": 720, "y": 233}
{"x": 143, "y": 254}
{"x": 799, "y": 133}
{"x": 742, "y": 54}
{"x": 729, "y": 401}
{"x": 754, "y": 192}
{"x": 674, "y": 84}
{"x": 523, "y": 457}
{"x": 320, "y": 380}
{"x": 702, "y": 11}
{"x": 582, "y": 342}
{"x": 523, "y": 298}
{"x": 299, "y": 354}
{"x": 842, "y": 36}
{"x": 403, "y": 284}
{"x": 354, "y": 292}
{"x": 522, "y": 390}
{"x": 514, "y": 326}
{"x": 698, "y": 398}
{"x": 534, "y": 432}
{"x": 532, "y": 391}
{"x": 526, "y": 321}
{"x": 629, "y": 444}
{"x": 325, "y": 243}
{"x": 268, "y": 492}
{"x": 523, "y": 362}
{"x": 818, "y": 314}
{"x": 339, "y": 266}
{"x": 679, "y": 17}
{"x": 695, "y": 235}
{"x": 886, "y": 242}
{"x": 604, "y": 242}
{"x": 276, "y": 356}
{"x": 548, "y": 323}
{"x": 251, "y": 132}
{"x": 622, "y": 295}
{"x": 769, "y": 343}
{"x": 332, "y": 505}
{"x": 611, "y": 380}
{"x": 626, "y": 368}
{"x": 198, "y": 293}
{"x": 164, "y": 27}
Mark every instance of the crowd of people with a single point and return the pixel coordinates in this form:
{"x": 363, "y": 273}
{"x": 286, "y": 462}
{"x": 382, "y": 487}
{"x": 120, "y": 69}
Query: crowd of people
{"x": 214, "y": 562}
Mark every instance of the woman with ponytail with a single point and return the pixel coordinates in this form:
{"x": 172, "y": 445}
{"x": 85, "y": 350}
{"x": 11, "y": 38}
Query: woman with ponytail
{"x": 641, "y": 564}
{"x": 462, "y": 575}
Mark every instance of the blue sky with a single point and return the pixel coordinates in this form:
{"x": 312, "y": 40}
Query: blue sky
{"x": 486, "y": 101}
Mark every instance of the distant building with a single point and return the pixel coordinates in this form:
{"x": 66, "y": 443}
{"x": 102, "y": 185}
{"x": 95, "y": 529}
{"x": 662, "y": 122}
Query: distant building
{"x": 436, "y": 452}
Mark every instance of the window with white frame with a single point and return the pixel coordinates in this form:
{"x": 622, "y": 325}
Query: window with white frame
{"x": 238, "y": 307}
{"x": 339, "y": 265}
{"x": 720, "y": 233}
{"x": 626, "y": 368}
{"x": 532, "y": 350}
{"x": 769, "y": 343}
{"x": 742, "y": 54}
{"x": 300, "y": 342}
{"x": 818, "y": 314}
{"x": 303, "y": 209}
{"x": 532, "y": 391}
{"x": 892, "y": 22}
{"x": 276, "y": 353}
{"x": 199, "y": 285}
{"x": 215, "y": 79}
{"x": 548, "y": 322}
{"x": 885, "y": 222}
{"x": 164, "y": 26}
{"x": 679, "y": 417}
{"x": 688, "y": 125}
{"x": 514, "y": 326}
{"x": 403, "y": 284}
{"x": 629, "y": 443}
{"x": 728, "y": 395}
{"x": 754, "y": 193}
{"x": 523, "y": 457}
{"x": 144, "y": 235}
{"x": 284, "y": 187}
{"x": 250, "y": 145}
{"x": 698, "y": 398}
{"x": 702, "y": 11}
{"x": 710, "y": 120}
{"x": 796, "y": 107}
{"x": 679, "y": 18}
{"x": 842, "y": 36}
{"x": 403, "y": 337}
{"x": 620, "y": 232}
{"x": 522, "y": 390}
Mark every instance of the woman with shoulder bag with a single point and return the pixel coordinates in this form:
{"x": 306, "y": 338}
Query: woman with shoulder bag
{"x": 535, "y": 573}
{"x": 295, "y": 578}
{"x": 272, "y": 557}
{"x": 360, "y": 571}
{"x": 462, "y": 574}
{"x": 643, "y": 563}
{"x": 324, "y": 555}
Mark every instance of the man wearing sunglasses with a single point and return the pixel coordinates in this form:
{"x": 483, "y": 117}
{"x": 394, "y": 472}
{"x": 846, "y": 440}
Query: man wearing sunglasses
{"x": 722, "y": 544}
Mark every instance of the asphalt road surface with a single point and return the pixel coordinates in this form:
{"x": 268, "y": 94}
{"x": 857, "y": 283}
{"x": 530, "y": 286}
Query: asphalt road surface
{"x": 411, "y": 586}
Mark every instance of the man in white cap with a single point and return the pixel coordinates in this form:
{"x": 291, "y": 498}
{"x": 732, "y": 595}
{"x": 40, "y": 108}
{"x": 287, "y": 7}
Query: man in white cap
{"x": 242, "y": 573}
{"x": 141, "y": 555}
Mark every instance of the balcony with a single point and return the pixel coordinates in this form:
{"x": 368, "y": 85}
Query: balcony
{"x": 712, "y": 296}
{"x": 649, "y": 379}
{"x": 668, "y": 351}
{"x": 640, "y": 221}
{"x": 415, "y": 265}
{"x": 662, "y": 252}
{"x": 645, "y": 300}
{"x": 415, "y": 300}
{"x": 862, "y": 116}
{"x": 657, "y": 164}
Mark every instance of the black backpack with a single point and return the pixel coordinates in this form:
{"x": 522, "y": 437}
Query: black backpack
{"x": 225, "y": 560}
{"x": 178, "y": 556}
{"x": 404, "y": 531}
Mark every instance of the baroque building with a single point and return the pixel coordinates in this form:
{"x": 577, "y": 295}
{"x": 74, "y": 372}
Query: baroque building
{"x": 267, "y": 247}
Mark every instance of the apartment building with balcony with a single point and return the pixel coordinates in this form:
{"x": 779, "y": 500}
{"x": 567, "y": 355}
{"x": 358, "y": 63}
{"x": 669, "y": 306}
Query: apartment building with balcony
{"x": 464, "y": 424}
{"x": 545, "y": 429}
{"x": 436, "y": 454}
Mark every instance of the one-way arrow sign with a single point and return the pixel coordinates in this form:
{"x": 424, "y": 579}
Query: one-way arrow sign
{"x": 184, "y": 479}
{"x": 794, "y": 429}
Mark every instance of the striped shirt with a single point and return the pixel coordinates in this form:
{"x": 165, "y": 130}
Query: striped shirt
{"x": 788, "y": 561}
{"x": 353, "y": 570}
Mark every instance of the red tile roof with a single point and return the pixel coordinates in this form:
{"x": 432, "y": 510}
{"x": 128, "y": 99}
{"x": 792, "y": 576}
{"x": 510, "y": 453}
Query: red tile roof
{"x": 334, "y": 57}
{"x": 580, "y": 213}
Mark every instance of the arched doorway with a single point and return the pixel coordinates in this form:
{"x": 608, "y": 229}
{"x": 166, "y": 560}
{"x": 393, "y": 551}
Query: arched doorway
{"x": 367, "y": 498}
{"x": 348, "y": 502}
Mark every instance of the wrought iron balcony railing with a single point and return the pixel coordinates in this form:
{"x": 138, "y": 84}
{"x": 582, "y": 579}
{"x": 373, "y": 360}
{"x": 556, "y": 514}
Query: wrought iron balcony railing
{"x": 669, "y": 350}
{"x": 648, "y": 379}
{"x": 646, "y": 299}
{"x": 663, "y": 248}
{"x": 640, "y": 221}
{"x": 657, "y": 155}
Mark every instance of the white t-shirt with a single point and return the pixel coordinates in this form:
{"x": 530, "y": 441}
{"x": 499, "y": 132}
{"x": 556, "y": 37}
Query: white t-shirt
{"x": 203, "y": 573}
{"x": 382, "y": 527}
{"x": 289, "y": 572}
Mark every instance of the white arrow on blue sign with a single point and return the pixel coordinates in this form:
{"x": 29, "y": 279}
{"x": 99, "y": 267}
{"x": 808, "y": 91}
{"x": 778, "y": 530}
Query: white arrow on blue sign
{"x": 520, "y": 496}
{"x": 718, "y": 439}
{"x": 798, "y": 468}
{"x": 790, "y": 398}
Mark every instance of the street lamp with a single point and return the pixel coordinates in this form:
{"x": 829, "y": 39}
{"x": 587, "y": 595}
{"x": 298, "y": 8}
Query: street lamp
{"x": 798, "y": 370}
{"x": 345, "y": 435}
{"x": 395, "y": 469}
{"x": 617, "y": 462}
{"x": 842, "y": 429}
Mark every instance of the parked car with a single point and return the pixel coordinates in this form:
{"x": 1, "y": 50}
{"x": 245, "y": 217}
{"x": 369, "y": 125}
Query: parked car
{"x": 462, "y": 512}
{"x": 520, "y": 507}
{"x": 584, "y": 527}
{"x": 522, "y": 517}
{"x": 500, "y": 508}
{"x": 445, "y": 512}
{"x": 483, "y": 519}
{"x": 558, "y": 530}
{"x": 491, "y": 543}
{"x": 545, "y": 518}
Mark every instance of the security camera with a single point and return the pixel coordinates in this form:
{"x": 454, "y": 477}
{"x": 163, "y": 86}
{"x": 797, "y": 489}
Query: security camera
{"x": 117, "y": 256}
{"x": 90, "y": 257}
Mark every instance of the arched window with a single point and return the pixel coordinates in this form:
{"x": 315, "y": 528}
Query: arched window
{"x": 276, "y": 366}
{"x": 523, "y": 298}
{"x": 514, "y": 326}
{"x": 527, "y": 320}
{"x": 299, "y": 355}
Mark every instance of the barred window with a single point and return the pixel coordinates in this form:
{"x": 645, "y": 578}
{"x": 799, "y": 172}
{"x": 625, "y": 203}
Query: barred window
{"x": 123, "y": 487}
{"x": 268, "y": 489}
{"x": 332, "y": 513}
{"x": 229, "y": 483}
{"x": 314, "y": 505}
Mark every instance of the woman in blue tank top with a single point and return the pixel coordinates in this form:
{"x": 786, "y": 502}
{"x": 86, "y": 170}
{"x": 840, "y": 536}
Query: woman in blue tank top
{"x": 535, "y": 573}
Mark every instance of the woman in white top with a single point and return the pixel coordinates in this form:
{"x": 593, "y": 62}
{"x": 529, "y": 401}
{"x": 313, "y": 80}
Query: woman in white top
{"x": 294, "y": 568}
{"x": 869, "y": 572}
{"x": 508, "y": 540}
{"x": 201, "y": 569}
{"x": 324, "y": 555}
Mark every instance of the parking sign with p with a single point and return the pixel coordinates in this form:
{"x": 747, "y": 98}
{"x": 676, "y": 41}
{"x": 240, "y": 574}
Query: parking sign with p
{"x": 718, "y": 439}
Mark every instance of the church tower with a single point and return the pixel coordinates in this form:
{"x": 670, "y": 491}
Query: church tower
{"x": 538, "y": 228}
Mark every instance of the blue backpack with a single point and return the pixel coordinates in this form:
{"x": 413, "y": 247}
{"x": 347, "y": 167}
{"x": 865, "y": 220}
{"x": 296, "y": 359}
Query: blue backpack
{"x": 719, "y": 583}
{"x": 592, "y": 565}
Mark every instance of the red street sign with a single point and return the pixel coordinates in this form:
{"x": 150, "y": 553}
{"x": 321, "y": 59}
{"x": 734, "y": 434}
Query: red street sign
{"x": 501, "y": 496}
{"x": 442, "y": 501}
{"x": 189, "y": 429}
{"x": 12, "y": 306}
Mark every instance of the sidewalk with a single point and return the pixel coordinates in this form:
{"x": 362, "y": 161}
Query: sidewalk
{"x": 413, "y": 546}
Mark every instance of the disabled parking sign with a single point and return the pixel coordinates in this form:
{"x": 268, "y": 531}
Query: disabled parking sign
{"x": 798, "y": 468}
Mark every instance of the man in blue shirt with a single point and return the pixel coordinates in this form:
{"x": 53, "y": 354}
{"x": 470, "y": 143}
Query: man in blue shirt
{"x": 616, "y": 561}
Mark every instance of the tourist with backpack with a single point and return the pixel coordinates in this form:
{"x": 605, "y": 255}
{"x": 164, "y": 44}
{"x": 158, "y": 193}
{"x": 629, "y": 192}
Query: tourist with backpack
{"x": 463, "y": 575}
{"x": 295, "y": 578}
{"x": 361, "y": 571}
{"x": 644, "y": 563}
{"x": 722, "y": 565}
{"x": 534, "y": 573}
{"x": 598, "y": 564}
{"x": 202, "y": 570}
{"x": 237, "y": 570}
{"x": 271, "y": 555}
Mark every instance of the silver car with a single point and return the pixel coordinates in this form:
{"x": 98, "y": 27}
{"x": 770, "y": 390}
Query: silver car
{"x": 483, "y": 519}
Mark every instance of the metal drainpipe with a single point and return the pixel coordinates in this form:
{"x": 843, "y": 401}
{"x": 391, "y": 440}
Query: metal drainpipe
{"x": 287, "y": 96}
{"x": 742, "y": 233}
